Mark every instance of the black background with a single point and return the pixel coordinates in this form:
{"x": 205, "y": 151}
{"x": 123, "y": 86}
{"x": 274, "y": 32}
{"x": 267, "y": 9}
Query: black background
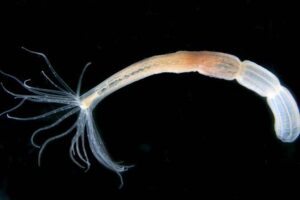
{"x": 186, "y": 134}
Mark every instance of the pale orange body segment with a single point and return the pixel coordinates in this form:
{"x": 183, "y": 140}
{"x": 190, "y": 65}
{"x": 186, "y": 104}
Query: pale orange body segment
{"x": 213, "y": 64}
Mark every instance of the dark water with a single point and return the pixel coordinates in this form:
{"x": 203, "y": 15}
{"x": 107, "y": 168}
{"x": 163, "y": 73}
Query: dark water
{"x": 186, "y": 134}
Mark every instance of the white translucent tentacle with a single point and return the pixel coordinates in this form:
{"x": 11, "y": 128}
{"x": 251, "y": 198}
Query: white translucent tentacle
{"x": 85, "y": 153}
{"x": 34, "y": 89}
{"x": 98, "y": 148}
{"x": 38, "y": 98}
{"x": 14, "y": 108}
{"x": 73, "y": 111}
{"x": 59, "y": 79}
{"x": 81, "y": 77}
{"x": 52, "y": 139}
{"x": 46, "y": 91}
{"x": 42, "y": 115}
{"x": 76, "y": 141}
{"x": 52, "y": 82}
{"x": 71, "y": 154}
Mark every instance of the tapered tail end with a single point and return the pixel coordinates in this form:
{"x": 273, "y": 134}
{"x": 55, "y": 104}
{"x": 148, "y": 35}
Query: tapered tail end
{"x": 286, "y": 113}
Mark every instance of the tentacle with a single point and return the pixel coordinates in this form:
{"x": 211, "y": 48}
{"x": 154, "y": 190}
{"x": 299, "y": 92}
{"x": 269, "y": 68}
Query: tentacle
{"x": 99, "y": 151}
{"x": 58, "y": 78}
{"x": 52, "y": 82}
{"x": 42, "y": 115}
{"x": 85, "y": 153}
{"x": 71, "y": 154}
{"x": 14, "y": 108}
{"x": 79, "y": 132}
{"x": 55, "y": 100}
{"x": 46, "y": 91}
{"x": 73, "y": 111}
{"x": 23, "y": 96}
{"x": 72, "y": 151}
{"x": 33, "y": 89}
{"x": 12, "y": 77}
{"x": 80, "y": 78}
{"x": 75, "y": 149}
{"x": 52, "y": 139}
{"x": 46, "y": 98}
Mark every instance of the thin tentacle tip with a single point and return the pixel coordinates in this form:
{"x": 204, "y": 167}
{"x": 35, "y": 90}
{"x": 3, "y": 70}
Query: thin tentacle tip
{"x": 36, "y": 146}
{"x": 26, "y": 81}
{"x": 121, "y": 181}
{"x": 39, "y": 163}
{"x": 87, "y": 169}
{"x": 24, "y": 48}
